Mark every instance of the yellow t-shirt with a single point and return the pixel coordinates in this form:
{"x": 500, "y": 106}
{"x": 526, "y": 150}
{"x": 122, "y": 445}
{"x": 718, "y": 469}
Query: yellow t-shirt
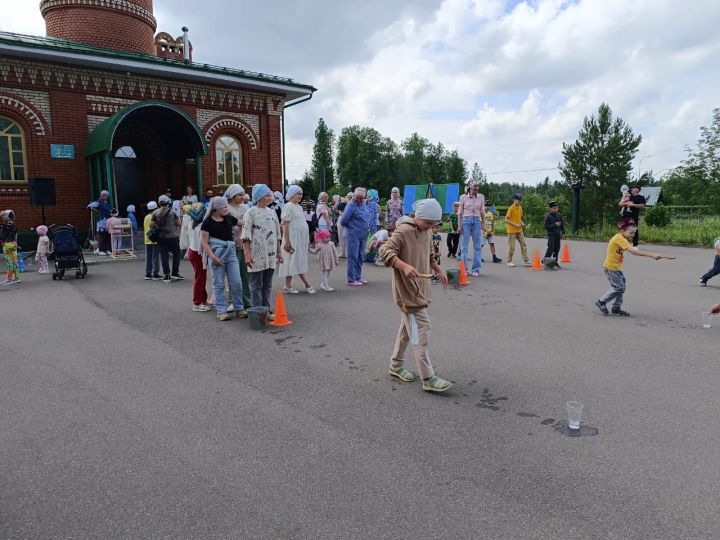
{"x": 489, "y": 223}
{"x": 514, "y": 214}
{"x": 146, "y": 226}
{"x": 616, "y": 252}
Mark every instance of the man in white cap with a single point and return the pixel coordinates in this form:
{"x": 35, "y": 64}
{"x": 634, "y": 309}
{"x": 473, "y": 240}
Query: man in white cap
{"x": 409, "y": 253}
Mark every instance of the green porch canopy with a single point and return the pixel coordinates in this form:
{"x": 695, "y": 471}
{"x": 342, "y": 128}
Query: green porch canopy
{"x": 180, "y": 132}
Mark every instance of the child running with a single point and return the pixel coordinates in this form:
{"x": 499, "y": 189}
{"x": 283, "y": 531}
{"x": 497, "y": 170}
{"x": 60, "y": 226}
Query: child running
{"x": 715, "y": 268}
{"x": 328, "y": 257}
{"x": 43, "y": 246}
{"x": 613, "y": 266}
{"x": 409, "y": 253}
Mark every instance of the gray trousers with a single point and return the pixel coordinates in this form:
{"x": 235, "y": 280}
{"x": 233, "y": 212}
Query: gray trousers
{"x": 261, "y": 287}
{"x": 414, "y": 330}
{"x": 617, "y": 284}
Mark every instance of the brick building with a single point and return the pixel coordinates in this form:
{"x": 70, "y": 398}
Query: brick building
{"x": 103, "y": 102}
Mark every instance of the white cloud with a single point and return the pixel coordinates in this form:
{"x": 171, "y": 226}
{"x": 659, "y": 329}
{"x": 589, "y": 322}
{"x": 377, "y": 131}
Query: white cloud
{"x": 503, "y": 83}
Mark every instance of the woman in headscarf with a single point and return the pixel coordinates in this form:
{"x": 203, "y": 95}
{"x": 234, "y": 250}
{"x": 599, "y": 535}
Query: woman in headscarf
{"x": 394, "y": 208}
{"x": 102, "y": 208}
{"x": 356, "y": 220}
{"x": 323, "y": 213}
{"x": 296, "y": 239}
{"x": 216, "y": 236}
{"x": 373, "y": 209}
{"x": 200, "y": 296}
{"x": 235, "y": 195}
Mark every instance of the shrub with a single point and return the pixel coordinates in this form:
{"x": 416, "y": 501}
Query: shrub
{"x": 658, "y": 216}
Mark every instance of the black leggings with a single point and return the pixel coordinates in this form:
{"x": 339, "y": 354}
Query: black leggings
{"x": 167, "y": 246}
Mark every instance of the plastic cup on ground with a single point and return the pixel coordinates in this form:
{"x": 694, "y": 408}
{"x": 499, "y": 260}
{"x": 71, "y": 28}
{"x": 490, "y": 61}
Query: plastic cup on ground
{"x": 574, "y": 411}
{"x": 706, "y": 319}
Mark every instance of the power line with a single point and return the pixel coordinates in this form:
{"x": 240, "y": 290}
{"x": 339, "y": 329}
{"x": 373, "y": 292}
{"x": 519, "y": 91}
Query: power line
{"x": 527, "y": 170}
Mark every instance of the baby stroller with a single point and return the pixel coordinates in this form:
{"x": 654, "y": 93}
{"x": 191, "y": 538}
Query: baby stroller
{"x": 66, "y": 253}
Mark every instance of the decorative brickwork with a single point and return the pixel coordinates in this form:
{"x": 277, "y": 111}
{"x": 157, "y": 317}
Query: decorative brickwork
{"x": 115, "y": 24}
{"x": 21, "y": 106}
{"x": 220, "y": 124}
{"x": 40, "y": 101}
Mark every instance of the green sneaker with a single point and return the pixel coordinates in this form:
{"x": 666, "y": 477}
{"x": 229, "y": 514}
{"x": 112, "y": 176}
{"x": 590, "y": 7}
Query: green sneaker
{"x": 401, "y": 373}
{"x": 436, "y": 384}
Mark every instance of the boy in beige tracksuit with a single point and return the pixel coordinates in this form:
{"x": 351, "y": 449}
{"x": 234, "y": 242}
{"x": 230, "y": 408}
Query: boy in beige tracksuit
{"x": 409, "y": 253}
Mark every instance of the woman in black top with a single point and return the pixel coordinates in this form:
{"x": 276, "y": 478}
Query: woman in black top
{"x": 216, "y": 235}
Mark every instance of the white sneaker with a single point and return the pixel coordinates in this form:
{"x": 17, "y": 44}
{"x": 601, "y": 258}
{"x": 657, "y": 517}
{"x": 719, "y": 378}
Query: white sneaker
{"x": 43, "y": 271}
{"x": 201, "y": 308}
{"x": 230, "y": 307}
{"x": 511, "y": 264}
{"x": 323, "y": 287}
{"x": 103, "y": 253}
{"x": 96, "y": 252}
{"x": 311, "y": 290}
{"x": 290, "y": 290}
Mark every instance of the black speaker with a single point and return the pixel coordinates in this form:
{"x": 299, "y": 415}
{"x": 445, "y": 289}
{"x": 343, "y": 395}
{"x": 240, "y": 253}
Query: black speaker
{"x": 42, "y": 191}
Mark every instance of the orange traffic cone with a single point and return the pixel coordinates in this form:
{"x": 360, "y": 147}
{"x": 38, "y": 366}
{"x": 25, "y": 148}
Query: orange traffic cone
{"x": 281, "y": 317}
{"x": 536, "y": 261}
{"x": 565, "y": 257}
{"x": 463, "y": 274}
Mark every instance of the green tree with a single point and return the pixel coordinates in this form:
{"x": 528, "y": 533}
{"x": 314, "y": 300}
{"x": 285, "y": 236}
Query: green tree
{"x": 412, "y": 164}
{"x": 601, "y": 160}
{"x": 366, "y": 158}
{"x": 455, "y": 168}
{"x": 322, "y": 159}
{"x": 477, "y": 174}
{"x": 696, "y": 181}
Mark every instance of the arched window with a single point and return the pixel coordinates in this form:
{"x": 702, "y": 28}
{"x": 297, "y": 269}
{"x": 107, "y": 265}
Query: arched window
{"x": 126, "y": 152}
{"x": 12, "y": 152}
{"x": 228, "y": 156}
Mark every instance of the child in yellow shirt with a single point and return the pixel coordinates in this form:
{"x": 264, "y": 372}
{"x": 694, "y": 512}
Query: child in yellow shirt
{"x": 613, "y": 266}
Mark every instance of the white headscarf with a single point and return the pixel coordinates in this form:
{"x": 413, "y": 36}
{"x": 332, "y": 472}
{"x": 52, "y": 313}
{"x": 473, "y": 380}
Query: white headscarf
{"x": 214, "y": 204}
{"x": 292, "y": 191}
{"x": 359, "y": 191}
{"x": 232, "y": 190}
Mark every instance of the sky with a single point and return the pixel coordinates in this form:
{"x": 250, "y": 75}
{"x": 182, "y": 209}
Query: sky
{"x": 505, "y": 82}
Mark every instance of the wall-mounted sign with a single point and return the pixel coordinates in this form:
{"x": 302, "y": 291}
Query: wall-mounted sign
{"x": 62, "y": 151}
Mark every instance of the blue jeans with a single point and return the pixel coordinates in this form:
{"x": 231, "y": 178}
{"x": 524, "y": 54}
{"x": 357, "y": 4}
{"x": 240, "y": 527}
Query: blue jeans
{"x": 261, "y": 287}
{"x": 471, "y": 227}
{"x": 230, "y": 269}
{"x": 714, "y": 271}
{"x": 152, "y": 259}
{"x": 617, "y": 288}
{"x": 356, "y": 255}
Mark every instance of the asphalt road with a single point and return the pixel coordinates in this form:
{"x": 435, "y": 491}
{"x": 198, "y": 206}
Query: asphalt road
{"x": 126, "y": 415}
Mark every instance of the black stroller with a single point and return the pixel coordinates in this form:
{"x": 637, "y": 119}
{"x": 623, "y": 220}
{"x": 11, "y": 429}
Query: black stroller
{"x": 66, "y": 252}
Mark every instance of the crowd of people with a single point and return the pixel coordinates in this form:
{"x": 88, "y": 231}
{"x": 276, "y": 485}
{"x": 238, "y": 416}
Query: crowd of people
{"x": 235, "y": 242}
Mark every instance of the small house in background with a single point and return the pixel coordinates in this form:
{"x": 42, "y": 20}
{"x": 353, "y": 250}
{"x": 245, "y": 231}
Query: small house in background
{"x": 651, "y": 194}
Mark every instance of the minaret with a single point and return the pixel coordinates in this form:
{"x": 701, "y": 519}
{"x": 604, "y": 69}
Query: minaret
{"x": 127, "y": 25}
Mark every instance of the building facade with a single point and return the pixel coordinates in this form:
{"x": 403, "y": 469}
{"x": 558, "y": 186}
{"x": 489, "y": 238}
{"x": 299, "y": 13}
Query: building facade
{"x": 103, "y": 102}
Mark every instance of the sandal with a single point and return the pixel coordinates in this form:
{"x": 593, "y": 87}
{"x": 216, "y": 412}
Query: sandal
{"x": 311, "y": 290}
{"x": 436, "y": 384}
{"x": 401, "y": 373}
{"x": 290, "y": 290}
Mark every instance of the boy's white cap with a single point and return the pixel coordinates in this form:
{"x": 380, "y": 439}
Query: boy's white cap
{"x": 428, "y": 209}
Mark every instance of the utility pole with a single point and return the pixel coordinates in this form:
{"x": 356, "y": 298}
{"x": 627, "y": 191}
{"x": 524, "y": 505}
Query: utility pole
{"x": 577, "y": 186}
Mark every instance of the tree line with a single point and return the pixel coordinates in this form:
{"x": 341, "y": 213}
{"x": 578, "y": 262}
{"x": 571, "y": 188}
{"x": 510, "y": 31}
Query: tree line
{"x": 598, "y": 163}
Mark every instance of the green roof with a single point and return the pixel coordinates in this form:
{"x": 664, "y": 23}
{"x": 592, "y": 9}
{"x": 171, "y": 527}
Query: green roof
{"x": 72, "y": 47}
{"x": 101, "y": 138}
